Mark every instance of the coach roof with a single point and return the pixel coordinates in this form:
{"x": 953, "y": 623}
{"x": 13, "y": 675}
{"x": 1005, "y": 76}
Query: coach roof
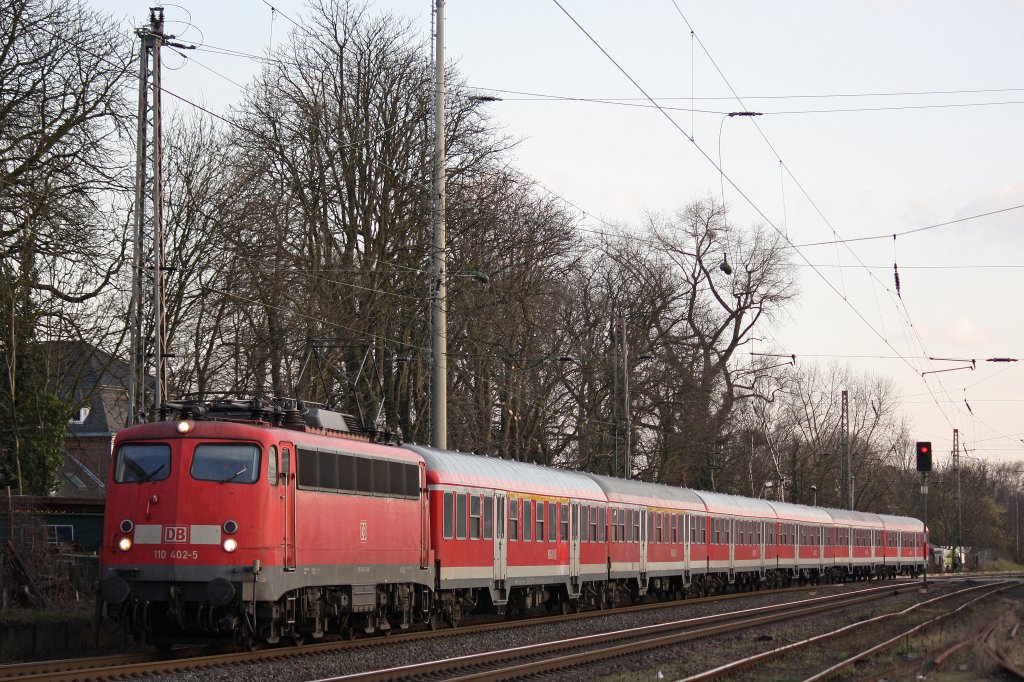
{"x": 733, "y": 505}
{"x": 620, "y": 490}
{"x": 800, "y": 512}
{"x": 464, "y": 469}
{"x": 855, "y": 518}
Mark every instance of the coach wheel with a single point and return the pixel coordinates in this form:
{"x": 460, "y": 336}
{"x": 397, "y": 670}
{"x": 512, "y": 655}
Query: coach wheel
{"x": 298, "y": 639}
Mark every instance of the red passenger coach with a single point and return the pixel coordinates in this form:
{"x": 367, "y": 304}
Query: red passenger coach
{"x": 905, "y": 543}
{"x": 511, "y": 533}
{"x": 657, "y": 538}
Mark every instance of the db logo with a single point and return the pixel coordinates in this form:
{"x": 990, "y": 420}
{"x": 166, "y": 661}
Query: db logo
{"x": 176, "y": 534}
{"x": 362, "y": 531}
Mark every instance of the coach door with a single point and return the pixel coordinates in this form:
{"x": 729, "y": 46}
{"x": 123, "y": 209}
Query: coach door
{"x": 730, "y": 537}
{"x": 288, "y": 504}
{"x": 500, "y": 537}
{"x": 644, "y": 539}
{"x": 574, "y": 542}
{"x": 424, "y": 518}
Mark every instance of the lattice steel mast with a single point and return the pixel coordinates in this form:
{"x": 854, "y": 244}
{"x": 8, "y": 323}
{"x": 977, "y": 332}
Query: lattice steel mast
{"x": 148, "y": 384}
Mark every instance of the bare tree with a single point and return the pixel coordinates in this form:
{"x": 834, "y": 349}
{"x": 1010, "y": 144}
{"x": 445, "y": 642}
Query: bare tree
{"x": 733, "y": 279}
{"x": 63, "y": 71}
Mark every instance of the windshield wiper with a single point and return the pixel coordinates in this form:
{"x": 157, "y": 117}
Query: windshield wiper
{"x": 235, "y": 475}
{"x": 151, "y": 474}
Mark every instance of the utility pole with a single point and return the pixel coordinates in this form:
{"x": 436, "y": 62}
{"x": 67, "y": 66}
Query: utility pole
{"x": 439, "y": 347}
{"x": 959, "y": 507}
{"x": 148, "y": 357}
{"x": 846, "y": 490}
{"x": 622, "y": 393}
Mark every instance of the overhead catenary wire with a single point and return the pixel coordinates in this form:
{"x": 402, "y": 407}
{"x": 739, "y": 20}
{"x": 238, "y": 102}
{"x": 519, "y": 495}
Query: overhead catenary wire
{"x": 899, "y": 303}
{"x": 732, "y": 184}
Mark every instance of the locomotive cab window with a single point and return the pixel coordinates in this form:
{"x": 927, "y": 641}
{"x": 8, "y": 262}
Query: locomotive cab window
{"x": 226, "y": 462}
{"x": 142, "y": 462}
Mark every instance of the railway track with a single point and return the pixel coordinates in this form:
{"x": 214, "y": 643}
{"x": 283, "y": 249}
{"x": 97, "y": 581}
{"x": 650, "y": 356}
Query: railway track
{"x": 122, "y": 665}
{"x": 962, "y": 598}
{"x": 137, "y": 664}
{"x": 552, "y": 657}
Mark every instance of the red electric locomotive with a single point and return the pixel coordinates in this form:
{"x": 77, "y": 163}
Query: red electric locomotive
{"x": 241, "y": 529}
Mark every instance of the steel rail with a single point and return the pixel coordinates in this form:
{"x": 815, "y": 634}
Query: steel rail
{"x": 547, "y": 659}
{"x": 764, "y": 656}
{"x": 47, "y": 669}
{"x": 849, "y": 662}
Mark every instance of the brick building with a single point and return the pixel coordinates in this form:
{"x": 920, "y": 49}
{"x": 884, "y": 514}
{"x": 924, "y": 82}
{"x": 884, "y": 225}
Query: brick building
{"x": 96, "y": 384}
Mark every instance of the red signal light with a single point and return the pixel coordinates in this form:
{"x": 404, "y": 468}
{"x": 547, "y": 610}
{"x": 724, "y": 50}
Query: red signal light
{"x": 924, "y": 456}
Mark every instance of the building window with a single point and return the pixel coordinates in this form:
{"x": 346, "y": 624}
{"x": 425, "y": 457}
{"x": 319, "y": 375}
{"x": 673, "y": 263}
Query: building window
{"x": 79, "y": 416}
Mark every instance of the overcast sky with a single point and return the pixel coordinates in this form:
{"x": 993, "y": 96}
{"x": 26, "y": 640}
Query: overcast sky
{"x": 878, "y": 118}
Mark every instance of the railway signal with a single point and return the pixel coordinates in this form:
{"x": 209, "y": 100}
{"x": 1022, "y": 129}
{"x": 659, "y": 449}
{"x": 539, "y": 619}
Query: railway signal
{"x": 924, "y": 456}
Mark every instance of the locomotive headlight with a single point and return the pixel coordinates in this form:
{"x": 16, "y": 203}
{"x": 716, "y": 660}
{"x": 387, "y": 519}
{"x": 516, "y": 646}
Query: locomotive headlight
{"x": 184, "y": 427}
{"x": 124, "y": 544}
{"x": 230, "y": 545}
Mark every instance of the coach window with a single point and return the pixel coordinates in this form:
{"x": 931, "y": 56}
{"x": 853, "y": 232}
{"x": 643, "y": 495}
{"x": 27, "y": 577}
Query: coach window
{"x": 226, "y": 463}
{"x": 460, "y": 516}
{"x": 513, "y": 519}
{"x": 657, "y": 527}
{"x": 552, "y": 522}
{"x": 563, "y": 510}
{"x": 489, "y": 518}
{"x": 527, "y": 520}
{"x": 602, "y": 525}
{"x": 585, "y": 524}
{"x": 474, "y": 517}
{"x": 272, "y": 465}
{"x": 449, "y": 516}
{"x": 142, "y": 462}
{"x": 540, "y": 522}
